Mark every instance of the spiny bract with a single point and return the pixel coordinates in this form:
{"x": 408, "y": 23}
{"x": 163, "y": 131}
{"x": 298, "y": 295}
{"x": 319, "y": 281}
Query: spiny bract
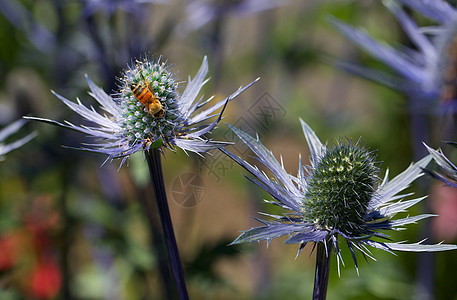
{"x": 126, "y": 124}
{"x": 338, "y": 196}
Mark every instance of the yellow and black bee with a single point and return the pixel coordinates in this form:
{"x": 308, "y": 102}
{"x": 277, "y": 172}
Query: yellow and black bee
{"x": 146, "y": 96}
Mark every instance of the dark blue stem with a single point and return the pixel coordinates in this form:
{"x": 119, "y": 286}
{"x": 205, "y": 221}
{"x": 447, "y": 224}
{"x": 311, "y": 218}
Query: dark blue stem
{"x": 153, "y": 157}
{"x": 322, "y": 270}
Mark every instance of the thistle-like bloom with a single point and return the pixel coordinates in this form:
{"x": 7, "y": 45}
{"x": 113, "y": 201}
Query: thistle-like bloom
{"x": 148, "y": 112}
{"x": 339, "y": 195}
{"x": 110, "y": 7}
{"x": 448, "y": 172}
{"x": 426, "y": 73}
{"x": 199, "y": 13}
{"x": 9, "y": 130}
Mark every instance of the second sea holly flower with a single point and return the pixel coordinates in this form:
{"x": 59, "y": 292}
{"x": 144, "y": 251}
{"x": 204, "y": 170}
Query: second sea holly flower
{"x": 338, "y": 196}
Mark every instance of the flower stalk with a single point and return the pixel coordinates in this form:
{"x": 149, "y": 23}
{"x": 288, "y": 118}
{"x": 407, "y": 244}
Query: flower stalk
{"x": 158, "y": 243}
{"x": 323, "y": 257}
{"x": 338, "y": 196}
{"x": 155, "y": 169}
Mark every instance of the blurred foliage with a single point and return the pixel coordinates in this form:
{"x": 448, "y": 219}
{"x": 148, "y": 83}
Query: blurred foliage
{"x": 98, "y": 245}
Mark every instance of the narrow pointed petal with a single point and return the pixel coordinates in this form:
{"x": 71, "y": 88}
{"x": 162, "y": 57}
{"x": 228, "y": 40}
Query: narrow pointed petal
{"x": 384, "y": 78}
{"x": 265, "y": 183}
{"x": 301, "y": 177}
{"x": 442, "y": 160}
{"x": 197, "y": 145}
{"x": 400, "y": 206}
{"x": 305, "y": 237}
{"x": 104, "y": 99}
{"x": 414, "y": 32}
{"x": 68, "y": 125}
{"x": 316, "y": 147}
{"x": 193, "y": 88}
{"x": 441, "y": 178}
{"x": 89, "y": 114}
{"x": 12, "y": 128}
{"x": 440, "y": 11}
{"x": 378, "y": 245}
{"x": 206, "y": 113}
{"x": 269, "y": 232}
{"x": 354, "y": 258}
{"x": 384, "y": 53}
{"x": 402, "y": 181}
{"x": 16, "y": 144}
{"x": 277, "y": 192}
{"x": 267, "y": 159}
{"x": 418, "y": 247}
{"x": 410, "y": 220}
{"x": 206, "y": 129}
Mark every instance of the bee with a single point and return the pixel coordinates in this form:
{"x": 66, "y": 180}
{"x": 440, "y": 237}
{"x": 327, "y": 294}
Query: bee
{"x": 146, "y": 96}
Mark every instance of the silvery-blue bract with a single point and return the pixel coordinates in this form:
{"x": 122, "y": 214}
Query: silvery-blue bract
{"x": 448, "y": 171}
{"x": 425, "y": 72}
{"x": 123, "y": 126}
{"x": 339, "y": 195}
{"x": 9, "y": 130}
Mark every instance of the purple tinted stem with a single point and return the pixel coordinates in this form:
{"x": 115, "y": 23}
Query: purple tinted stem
{"x": 322, "y": 270}
{"x": 155, "y": 169}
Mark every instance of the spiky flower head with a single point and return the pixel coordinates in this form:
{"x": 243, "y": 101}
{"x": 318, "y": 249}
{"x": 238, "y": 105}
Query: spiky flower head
{"x": 148, "y": 111}
{"x": 200, "y": 12}
{"x": 9, "y": 130}
{"x": 152, "y": 83}
{"x": 425, "y": 73}
{"x": 338, "y": 195}
{"x": 344, "y": 180}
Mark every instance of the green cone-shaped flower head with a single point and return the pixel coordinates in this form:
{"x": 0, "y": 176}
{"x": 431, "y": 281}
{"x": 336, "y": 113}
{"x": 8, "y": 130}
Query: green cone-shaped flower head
{"x": 340, "y": 188}
{"x": 339, "y": 196}
{"x": 148, "y": 98}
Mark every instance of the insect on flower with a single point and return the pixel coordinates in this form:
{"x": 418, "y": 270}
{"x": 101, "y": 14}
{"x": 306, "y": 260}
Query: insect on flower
{"x": 145, "y": 94}
{"x": 149, "y": 110}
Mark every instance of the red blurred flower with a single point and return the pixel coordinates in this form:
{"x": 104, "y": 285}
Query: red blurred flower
{"x": 9, "y": 244}
{"x": 45, "y": 280}
{"x": 444, "y": 204}
{"x": 29, "y": 251}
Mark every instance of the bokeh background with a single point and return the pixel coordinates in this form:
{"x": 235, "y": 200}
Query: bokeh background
{"x": 73, "y": 229}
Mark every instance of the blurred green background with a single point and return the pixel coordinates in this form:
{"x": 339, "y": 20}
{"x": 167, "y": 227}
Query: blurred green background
{"x": 73, "y": 229}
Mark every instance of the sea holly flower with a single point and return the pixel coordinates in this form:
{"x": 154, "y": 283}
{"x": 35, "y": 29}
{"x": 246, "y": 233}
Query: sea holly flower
{"x": 148, "y": 112}
{"x": 426, "y": 72}
{"x": 9, "y": 130}
{"x": 199, "y": 13}
{"x": 448, "y": 171}
{"x": 339, "y": 196}
{"x": 110, "y": 7}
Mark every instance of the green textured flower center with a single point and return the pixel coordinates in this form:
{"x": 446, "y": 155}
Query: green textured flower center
{"x": 340, "y": 188}
{"x": 148, "y": 97}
